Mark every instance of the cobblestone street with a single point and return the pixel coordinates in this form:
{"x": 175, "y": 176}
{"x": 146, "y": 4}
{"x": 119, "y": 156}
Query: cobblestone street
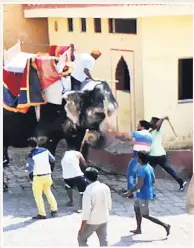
{"x": 19, "y": 206}
{"x": 103, "y": 85}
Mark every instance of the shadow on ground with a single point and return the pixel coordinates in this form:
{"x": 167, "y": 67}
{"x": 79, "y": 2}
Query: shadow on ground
{"x": 128, "y": 241}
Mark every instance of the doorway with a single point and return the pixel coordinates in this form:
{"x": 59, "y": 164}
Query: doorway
{"x": 122, "y": 69}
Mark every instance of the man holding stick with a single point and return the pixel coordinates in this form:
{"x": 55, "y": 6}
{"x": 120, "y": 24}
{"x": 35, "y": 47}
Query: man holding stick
{"x": 157, "y": 154}
{"x": 142, "y": 142}
{"x": 72, "y": 173}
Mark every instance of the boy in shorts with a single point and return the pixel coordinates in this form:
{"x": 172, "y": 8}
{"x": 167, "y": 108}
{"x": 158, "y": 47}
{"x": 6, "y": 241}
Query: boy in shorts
{"x": 144, "y": 188}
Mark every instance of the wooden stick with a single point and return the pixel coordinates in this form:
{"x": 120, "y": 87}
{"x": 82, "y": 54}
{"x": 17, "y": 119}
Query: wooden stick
{"x": 105, "y": 107}
{"x": 84, "y": 138}
{"x": 109, "y": 81}
{"x": 112, "y": 81}
{"x": 172, "y": 128}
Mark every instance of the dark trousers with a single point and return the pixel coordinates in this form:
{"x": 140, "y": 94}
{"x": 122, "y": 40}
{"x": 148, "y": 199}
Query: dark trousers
{"x": 75, "y": 84}
{"x": 163, "y": 162}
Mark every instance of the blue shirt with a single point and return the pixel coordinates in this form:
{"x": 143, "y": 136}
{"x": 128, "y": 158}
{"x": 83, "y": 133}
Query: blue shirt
{"x": 142, "y": 140}
{"x": 32, "y": 157}
{"x": 146, "y": 191}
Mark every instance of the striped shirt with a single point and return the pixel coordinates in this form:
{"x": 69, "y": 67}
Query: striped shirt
{"x": 142, "y": 140}
{"x": 39, "y": 160}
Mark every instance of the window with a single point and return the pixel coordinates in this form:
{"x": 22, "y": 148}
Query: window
{"x": 123, "y": 26}
{"x": 122, "y": 75}
{"x": 56, "y": 26}
{"x": 83, "y": 24}
{"x": 185, "y": 77}
{"x": 70, "y": 24}
{"x": 97, "y": 25}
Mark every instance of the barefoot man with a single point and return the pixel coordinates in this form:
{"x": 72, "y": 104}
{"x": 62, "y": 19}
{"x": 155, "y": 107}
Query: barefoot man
{"x": 72, "y": 174}
{"x": 144, "y": 189}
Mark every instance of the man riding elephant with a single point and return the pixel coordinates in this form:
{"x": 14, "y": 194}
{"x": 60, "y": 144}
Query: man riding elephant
{"x": 84, "y": 64}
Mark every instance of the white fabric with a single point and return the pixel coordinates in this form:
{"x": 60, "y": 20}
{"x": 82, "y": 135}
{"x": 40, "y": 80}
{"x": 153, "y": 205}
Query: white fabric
{"x": 63, "y": 59}
{"x": 71, "y": 165}
{"x": 37, "y": 111}
{"x": 66, "y": 83}
{"x": 97, "y": 203}
{"x": 83, "y": 61}
{"x": 60, "y": 65}
{"x": 41, "y": 163}
{"x": 11, "y": 53}
{"x": 18, "y": 63}
{"x": 54, "y": 93}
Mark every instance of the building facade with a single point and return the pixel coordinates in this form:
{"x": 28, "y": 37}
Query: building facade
{"x": 30, "y": 31}
{"x": 147, "y": 48}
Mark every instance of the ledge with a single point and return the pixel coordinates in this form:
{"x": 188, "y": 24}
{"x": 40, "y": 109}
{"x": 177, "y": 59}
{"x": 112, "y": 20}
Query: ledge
{"x": 181, "y": 160}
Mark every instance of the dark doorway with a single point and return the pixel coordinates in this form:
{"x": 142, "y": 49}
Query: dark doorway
{"x": 122, "y": 75}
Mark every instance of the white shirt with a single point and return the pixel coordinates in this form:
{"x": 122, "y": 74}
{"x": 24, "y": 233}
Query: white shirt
{"x": 70, "y": 165}
{"x": 83, "y": 61}
{"x": 41, "y": 162}
{"x": 96, "y": 203}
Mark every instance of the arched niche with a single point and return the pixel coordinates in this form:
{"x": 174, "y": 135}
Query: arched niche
{"x": 122, "y": 75}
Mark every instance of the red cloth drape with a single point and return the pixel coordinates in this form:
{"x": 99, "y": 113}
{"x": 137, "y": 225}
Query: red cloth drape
{"x": 47, "y": 71}
{"x": 12, "y": 81}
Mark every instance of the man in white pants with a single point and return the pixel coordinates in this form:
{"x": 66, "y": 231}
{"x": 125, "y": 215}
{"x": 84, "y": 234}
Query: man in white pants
{"x": 96, "y": 203}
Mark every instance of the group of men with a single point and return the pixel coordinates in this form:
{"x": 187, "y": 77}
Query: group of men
{"x": 95, "y": 197}
{"x": 148, "y": 138}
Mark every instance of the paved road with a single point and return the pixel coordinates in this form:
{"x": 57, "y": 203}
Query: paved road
{"x": 19, "y": 206}
{"x": 19, "y": 230}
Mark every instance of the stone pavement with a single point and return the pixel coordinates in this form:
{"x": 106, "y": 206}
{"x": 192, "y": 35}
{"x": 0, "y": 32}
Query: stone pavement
{"x": 19, "y": 206}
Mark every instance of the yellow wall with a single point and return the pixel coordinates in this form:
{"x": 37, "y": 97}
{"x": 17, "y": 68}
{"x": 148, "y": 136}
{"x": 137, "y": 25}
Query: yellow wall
{"x": 164, "y": 41}
{"x": 16, "y": 27}
{"x": 104, "y": 41}
{"x": 160, "y": 42}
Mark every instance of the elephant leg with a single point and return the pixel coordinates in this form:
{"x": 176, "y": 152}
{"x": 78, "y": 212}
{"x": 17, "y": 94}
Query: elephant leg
{"x": 5, "y": 157}
{"x": 5, "y": 186}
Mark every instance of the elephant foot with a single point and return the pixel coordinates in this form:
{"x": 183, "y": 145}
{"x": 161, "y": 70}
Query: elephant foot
{"x": 5, "y": 165}
{"x": 5, "y": 187}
